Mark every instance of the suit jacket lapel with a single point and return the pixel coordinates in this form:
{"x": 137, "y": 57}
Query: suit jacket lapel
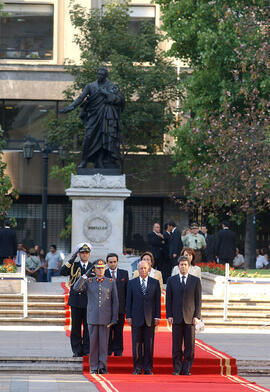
{"x": 149, "y": 285}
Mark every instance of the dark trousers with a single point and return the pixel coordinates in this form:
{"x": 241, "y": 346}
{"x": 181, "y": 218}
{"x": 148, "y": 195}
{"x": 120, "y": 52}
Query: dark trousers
{"x": 224, "y": 261}
{"x": 143, "y": 347}
{"x": 183, "y": 359}
{"x": 79, "y": 343}
{"x": 116, "y": 336}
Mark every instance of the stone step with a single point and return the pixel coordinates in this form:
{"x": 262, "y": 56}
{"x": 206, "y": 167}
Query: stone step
{"x": 236, "y": 316}
{"x": 74, "y": 365}
{"x": 251, "y": 324}
{"x": 32, "y": 321}
{"x": 33, "y": 305}
{"x": 248, "y": 301}
{"x": 236, "y": 307}
{"x": 38, "y": 365}
{"x": 33, "y": 313}
{"x": 31, "y": 298}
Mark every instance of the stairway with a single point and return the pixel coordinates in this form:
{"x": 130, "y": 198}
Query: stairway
{"x": 49, "y": 310}
{"x": 242, "y": 313}
{"x": 42, "y": 310}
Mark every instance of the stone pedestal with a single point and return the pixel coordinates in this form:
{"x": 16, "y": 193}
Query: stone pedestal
{"x": 98, "y": 212}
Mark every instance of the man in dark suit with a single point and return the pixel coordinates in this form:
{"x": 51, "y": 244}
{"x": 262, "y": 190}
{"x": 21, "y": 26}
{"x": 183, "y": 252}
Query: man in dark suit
{"x": 116, "y": 331}
{"x": 183, "y": 309}
{"x": 175, "y": 243}
{"x": 8, "y": 242}
{"x": 143, "y": 314}
{"x": 156, "y": 242}
{"x": 226, "y": 244}
{"x": 78, "y": 300}
{"x": 208, "y": 253}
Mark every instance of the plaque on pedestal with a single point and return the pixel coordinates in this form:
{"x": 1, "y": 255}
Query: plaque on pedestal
{"x": 98, "y": 212}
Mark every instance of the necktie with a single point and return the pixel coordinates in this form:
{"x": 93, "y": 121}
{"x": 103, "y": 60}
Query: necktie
{"x": 183, "y": 280}
{"x": 113, "y": 275}
{"x": 83, "y": 270}
{"x": 143, "y": 287}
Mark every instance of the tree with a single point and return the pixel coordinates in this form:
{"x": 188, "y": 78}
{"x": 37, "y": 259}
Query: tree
{"x": 223, "y": 147}
{"x": 136, "y": 63}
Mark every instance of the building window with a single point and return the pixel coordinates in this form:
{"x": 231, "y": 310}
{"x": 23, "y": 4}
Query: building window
{"x": 139, "y": 15}
{"x": 21, "y": 118}
{"x": 28, "y": 211}
{"x": 139, "y": 216}
{"x": 26, "y": 32}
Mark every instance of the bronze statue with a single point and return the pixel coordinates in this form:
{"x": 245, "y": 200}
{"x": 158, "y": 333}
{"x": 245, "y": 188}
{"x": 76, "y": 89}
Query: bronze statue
{"x": 102, "y": 104}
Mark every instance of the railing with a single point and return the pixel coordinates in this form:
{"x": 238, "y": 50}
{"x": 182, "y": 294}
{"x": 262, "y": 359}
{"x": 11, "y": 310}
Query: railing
{"x": 22, "y": 277}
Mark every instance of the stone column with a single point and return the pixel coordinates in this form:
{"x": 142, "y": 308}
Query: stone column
{"x": 98, "y": 212}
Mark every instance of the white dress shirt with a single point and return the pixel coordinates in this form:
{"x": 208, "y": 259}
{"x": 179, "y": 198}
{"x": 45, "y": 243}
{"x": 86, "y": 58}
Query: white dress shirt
{"x": 115, "y": 272}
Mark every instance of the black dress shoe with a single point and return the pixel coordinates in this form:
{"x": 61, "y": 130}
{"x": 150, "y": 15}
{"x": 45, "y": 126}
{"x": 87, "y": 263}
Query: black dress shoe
{"x": 176, "y": 373}
{"x": 86, "y": 354}
{"x": 186, "y": 374}
{"x": 148, "y": 372}
{"x": 137, "y": 371}
{"x": 103, "y": 371}
{"x": 94, "y": 372}
{"x": 76, "y": 355}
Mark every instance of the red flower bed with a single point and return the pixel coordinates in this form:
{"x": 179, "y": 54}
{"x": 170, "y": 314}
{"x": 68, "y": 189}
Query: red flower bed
{"x": 213, "y": 268}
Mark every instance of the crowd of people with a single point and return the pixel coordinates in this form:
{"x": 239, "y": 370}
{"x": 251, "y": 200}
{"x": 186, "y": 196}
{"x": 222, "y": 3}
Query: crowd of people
{"x": 169, "y": 245}
{"x": 100, "y": 298}
{"x": 39, "y": 265}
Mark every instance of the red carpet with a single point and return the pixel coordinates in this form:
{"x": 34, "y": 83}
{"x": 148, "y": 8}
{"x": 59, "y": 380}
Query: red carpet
{"x": 212, "y": 370}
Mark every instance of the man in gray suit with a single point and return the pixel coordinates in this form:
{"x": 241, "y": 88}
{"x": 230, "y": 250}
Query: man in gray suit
{"x": 102, "y": 312}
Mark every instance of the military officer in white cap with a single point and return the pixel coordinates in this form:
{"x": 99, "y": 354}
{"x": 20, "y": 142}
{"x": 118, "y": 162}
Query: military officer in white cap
{"x": 102, "y": 312}
{"x": 74, "y": 268}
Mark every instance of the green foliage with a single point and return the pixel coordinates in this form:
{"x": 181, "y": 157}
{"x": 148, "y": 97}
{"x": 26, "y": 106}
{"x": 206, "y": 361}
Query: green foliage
{"x": 7, "y": 193}
{"x": 223, "y": 148}
{"x": 136, "y": 64}
{"x": 63, "y": 173}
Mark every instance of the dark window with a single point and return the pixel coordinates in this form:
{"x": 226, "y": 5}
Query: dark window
{"x": 139, "y": 216}
{"x": 139, "y": 15}
{"x": 21, "y": 118}
{"x": 26, "y": 31}
{"x": 28, "y": 212}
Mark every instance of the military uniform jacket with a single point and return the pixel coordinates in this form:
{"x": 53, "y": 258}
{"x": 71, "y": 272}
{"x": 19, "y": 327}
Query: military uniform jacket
{"x": 103, "y": 304}
{"x": 70, "y": 268}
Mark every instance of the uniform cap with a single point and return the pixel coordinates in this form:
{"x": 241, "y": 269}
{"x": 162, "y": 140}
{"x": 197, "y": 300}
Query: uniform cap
{"x": 100, "y": 263}
{"x": 194, "y": 226}
{"x": 85, "y": 248}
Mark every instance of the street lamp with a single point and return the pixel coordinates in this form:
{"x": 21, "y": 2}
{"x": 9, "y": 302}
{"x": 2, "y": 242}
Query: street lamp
{"x": 28, "y": 151}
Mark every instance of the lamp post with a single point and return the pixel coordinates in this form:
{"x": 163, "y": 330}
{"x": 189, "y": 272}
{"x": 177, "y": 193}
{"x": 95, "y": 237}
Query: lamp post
{"x": 28, "y": 151}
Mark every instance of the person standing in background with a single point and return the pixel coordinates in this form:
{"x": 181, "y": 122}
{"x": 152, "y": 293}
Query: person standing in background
{"x": 156, "y": 242}
{"x": 20, "y": 252}
{"x": 208, "y": 253}
{"x": 121, "y": 278}
{"x": 53, "y": 263}
{"x": 226, "y": 244}
{"x": 8, "y": 242}
{"x": 195, "y": 241}
{"x": 175, "y": 243}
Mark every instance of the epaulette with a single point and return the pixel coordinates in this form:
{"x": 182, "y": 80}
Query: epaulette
{"x": 67, "y": 264}
{"x": 90, "y": 280}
